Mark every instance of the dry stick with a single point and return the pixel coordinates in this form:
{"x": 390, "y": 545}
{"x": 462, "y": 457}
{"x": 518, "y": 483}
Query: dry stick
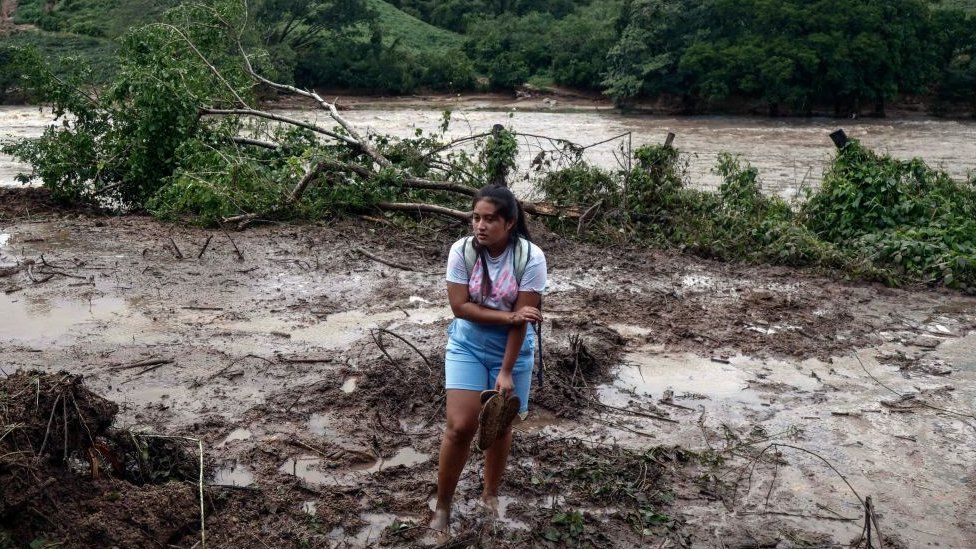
{"x": 179, "y": 254}
{"x": 453, "y": 143}
{"x": 430, "y": 208}
{"x": 877, "y": 529}
{"x": 586, "y": 216}
{"x": 383, "y": 261}
{"x": 832, "y": 468}
{"x": 411, "y": 345}
{"x": 798, "y": 515}
{"x": 205, "y": 245}
{"x": 333, "y": 111}
{"x": 143, "y": 363}
{"x": 49, "y": 420}
{"x": 240, "y": 256}
{"x": 154, "y": 367}
{"x": 379, "y": 344}
{"x": 235, "y": 361}
{"x": 633, "y": 412}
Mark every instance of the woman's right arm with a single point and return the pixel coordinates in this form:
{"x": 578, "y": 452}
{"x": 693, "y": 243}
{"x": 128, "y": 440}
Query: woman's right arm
{"x": 464, "y": 308}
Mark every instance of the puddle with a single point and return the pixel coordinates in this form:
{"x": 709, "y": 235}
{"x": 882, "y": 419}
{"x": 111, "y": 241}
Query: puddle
{"x": 235, "y": 475}
{"x": 4, "y": 261}
{"x": 42, "y": 320}
{"x": 339, "y": 330}
{"x": 314, "y": 470}
{"x": 349, "y": 385}
{"x": 697, "y": 379}
{"x": 309, "y": 469}
{"x": 321, "y": 424}
{"x": 405, "y": 456}
{"x": 369, "y": 534}
{"x": 474, "y": 507}
{"x": 684, "y": 374}
{"x": 237, "y": 434}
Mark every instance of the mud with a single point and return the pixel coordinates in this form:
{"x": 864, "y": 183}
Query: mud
{"x": 320, "y": 429}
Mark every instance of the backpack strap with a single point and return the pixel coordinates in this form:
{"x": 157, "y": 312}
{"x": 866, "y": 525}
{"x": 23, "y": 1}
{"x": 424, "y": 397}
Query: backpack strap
{"x": 520, "y": 258}
{"x": 470, "y": 255}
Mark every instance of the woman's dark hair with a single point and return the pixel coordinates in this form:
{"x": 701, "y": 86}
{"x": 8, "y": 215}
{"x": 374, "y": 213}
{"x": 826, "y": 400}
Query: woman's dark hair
{"x": 509, "y": 208}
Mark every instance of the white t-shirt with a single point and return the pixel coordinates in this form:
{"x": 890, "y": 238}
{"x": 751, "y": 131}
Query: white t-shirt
{"x": 501, "y": 269}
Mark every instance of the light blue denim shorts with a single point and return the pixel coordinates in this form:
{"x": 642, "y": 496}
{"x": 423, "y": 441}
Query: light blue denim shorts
{"x": 474, "y": 358}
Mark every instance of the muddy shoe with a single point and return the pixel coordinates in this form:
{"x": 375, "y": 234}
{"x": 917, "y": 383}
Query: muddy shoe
{"x": 511, "y": 410}
{"x": 490, "y": 419}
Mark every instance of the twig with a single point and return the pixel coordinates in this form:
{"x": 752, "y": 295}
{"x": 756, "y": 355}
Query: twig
{"x": 430, "y": 208}
{"x": 143, "y": 363}
{"x": 205, "y": 245}
{"x": 379, "y": 344}
{"x": 277, "y": 118}
{"x": 176, "y": 249}
{"x": 240, "y": 256}
{"x": 411, "y": 345}
{"x": 633, "y": 412}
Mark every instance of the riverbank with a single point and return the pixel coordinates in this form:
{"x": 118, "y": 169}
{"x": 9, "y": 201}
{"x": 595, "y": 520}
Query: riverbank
{"x": 316, "y": 431}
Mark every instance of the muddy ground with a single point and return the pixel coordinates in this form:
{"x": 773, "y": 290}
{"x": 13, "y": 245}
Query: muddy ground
{"x": 686, "y": 402}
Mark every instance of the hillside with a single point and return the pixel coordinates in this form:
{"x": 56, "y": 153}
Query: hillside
{"x": 87, "y": 29}
{"x": 411, "y": 32}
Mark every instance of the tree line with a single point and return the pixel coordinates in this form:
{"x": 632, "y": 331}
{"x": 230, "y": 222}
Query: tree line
{"x": 783, "y": 56}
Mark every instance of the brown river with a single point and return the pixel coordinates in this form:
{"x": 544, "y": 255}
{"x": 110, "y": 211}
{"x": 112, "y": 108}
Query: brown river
{"x": 789, "y": 153}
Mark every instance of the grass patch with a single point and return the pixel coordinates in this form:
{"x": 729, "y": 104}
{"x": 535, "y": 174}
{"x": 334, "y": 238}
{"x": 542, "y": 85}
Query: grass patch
{"x": 412, "y": 33}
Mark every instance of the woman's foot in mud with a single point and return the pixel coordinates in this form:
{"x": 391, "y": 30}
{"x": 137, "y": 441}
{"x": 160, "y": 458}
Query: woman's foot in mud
{"x": 440, "y": 525}
{"x": 490, "y": 503}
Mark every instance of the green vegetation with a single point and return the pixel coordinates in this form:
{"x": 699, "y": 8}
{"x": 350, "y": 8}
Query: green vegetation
{"x": 788, "y": 56}
{"x": 415, "y": 35}
{"x": 873, "y": 216}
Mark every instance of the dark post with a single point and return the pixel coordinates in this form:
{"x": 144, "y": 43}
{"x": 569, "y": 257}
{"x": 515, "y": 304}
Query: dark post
{"x": 500, "y": 177}
{"x": 839, "y": 138}
{"x": 669, "y": 139}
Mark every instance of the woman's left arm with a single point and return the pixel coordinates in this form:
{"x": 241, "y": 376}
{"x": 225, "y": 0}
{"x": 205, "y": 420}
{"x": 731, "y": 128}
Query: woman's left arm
{"x": 516, "y": 336}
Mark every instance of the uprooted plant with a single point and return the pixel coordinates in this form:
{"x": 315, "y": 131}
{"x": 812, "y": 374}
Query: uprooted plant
{"x": 59, "y": 453}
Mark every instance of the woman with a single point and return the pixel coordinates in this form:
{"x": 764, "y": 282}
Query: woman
{"x": 489, "y": 345}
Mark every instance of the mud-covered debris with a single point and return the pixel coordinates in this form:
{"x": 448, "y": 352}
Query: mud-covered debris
{"x": 578, "y": 355}
{"x": 65, "y": 472}
{"x": 53, "y": 415}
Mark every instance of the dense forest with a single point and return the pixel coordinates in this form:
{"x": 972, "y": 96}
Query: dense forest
{"x": 779, "y": 56}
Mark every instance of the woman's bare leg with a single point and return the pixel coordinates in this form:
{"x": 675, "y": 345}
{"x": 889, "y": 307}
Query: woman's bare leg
{"x": 496, "y": 457}
{"x": 463, "y": 408}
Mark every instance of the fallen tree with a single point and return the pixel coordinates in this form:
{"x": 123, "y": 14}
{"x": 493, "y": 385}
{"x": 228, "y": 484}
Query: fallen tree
{"x": 180, "y": 133}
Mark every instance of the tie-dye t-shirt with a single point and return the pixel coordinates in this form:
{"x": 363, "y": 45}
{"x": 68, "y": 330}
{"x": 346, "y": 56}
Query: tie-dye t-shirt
{"x": 504, "y": 290}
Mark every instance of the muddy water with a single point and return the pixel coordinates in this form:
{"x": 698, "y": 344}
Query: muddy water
{"x": 835, "y": 410}
{"x": 790, "y": 153}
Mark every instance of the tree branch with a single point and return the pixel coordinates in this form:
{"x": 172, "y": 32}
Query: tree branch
{"x": 279, "y": 118}
{"x": 254, "y": 142}
{"x": 429, "y": 208}
{"x": 412, "y": 182}
{"x": 333, "y": 111}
